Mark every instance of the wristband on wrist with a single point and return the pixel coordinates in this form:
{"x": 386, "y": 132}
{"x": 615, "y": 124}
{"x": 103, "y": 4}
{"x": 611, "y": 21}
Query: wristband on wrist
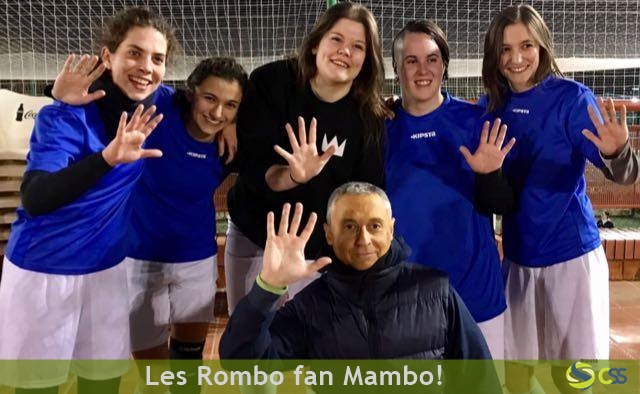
{"x": 270, "y": 288}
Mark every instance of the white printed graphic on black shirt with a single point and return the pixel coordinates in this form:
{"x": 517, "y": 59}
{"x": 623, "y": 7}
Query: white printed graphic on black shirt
{"x": 334, "y": 142}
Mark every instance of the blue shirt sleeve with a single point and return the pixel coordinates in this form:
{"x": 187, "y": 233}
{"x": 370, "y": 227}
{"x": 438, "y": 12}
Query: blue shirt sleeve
{"x": 56, "y": 140}
{"x": 483, "y": 101}
{"x": 577, "y": 120}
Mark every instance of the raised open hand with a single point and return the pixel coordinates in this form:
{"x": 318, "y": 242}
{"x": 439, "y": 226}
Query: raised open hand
{"x": 490, "y": 153}
{"x": 72, "y": 83}
{"x": 304, "y": 161}
{"x": 283, "y": 261}
{"x": 127, "y": 145}
{"x": 612, "y": 133}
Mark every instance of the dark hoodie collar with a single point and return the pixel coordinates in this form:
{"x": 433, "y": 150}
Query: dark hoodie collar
{"x": 114, "y": 103}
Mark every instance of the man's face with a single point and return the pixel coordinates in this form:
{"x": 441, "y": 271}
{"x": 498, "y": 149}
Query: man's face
{"x": 360, "y": 229}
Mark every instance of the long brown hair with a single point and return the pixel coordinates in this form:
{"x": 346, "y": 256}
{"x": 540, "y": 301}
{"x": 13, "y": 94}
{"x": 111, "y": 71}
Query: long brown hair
{"x": 367, "y": 86}
{"x": 495, "y": 84}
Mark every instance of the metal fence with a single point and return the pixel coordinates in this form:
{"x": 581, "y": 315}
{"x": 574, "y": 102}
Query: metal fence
{"x": 606, "y": 194}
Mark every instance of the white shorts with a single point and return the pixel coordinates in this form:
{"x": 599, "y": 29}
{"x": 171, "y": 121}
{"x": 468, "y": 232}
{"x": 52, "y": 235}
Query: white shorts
{"x": 493, "y": 332}
{"x": 560, "y": 311}
{"x": 162, "y": 294}
{"x": 242, "y": 265}
{"x": 63, "y": 317}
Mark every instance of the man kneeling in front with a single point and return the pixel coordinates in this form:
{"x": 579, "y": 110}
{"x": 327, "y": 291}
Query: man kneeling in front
{"x": 368, "y": 304}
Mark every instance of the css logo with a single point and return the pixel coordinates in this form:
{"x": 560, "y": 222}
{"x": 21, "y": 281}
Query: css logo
{"x": 581, "y": 376}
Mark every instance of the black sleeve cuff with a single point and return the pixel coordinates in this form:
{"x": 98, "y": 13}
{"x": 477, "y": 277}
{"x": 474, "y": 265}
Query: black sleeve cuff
{"x": 494, "y": 194}
{"x": 488, "y": 180}
{"x": 48, "y": 91}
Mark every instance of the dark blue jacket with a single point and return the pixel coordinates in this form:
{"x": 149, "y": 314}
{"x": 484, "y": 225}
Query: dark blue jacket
{"x": 392, "y": 310}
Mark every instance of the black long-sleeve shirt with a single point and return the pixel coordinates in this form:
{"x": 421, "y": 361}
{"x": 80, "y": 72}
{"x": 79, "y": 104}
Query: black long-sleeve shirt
{"x": 274, "y": 98}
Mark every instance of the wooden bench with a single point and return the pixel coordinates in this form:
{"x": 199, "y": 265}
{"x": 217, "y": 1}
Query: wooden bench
{"x": 622, "y": 247}
{"x": 605, "y": 194}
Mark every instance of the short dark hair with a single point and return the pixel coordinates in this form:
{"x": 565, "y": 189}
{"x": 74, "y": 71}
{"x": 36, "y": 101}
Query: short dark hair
{"x": 226, "y": 68}
{"x": 429, "y": 28}
{"x": 116, "y": 29}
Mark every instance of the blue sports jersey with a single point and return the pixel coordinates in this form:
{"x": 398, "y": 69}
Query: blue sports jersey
{"x": 89, "y": 234}
{"x": 174, "y": 217}
{"x": 554, "y": 221}
{"x": 431, "y": 188}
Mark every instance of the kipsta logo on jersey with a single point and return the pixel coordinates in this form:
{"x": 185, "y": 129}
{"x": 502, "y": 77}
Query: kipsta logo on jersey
{"x": 334, "y": 142}
{"x": 581, "y": 375}
{"x": 424, "y": 134}
{"x": 197, "y": 155}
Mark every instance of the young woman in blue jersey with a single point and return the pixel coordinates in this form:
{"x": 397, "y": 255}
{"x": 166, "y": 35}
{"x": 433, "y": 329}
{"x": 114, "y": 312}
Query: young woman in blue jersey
{"x": 172, "y": 265}
{"x": 557, "y": 285}
{"x": 432, "y": 186}
{"x": 63, "y": 293}
{"x": 334, "y": 85}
